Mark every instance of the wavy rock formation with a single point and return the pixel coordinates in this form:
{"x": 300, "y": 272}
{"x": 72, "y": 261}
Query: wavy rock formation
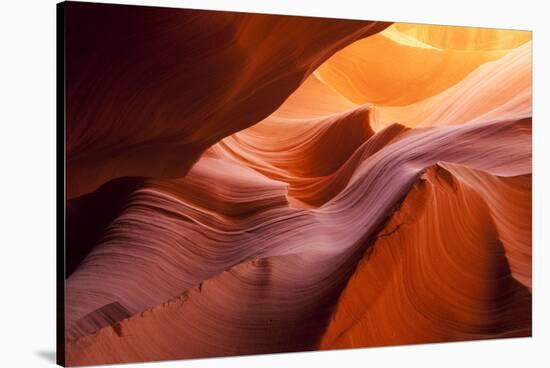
{"x": 441, "y": 269}
{"x": 299, "y": 258}
{"x": 473, "y": 98}
{"x": 395, "y": 69}
{"x": 234, "y": 189}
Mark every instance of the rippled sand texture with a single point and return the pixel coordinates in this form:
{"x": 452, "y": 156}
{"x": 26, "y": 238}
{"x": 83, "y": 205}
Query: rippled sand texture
{"x": 242, "y": 184}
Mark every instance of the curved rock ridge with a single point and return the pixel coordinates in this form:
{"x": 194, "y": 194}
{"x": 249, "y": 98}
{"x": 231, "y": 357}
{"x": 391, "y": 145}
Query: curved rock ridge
{"x": 441, "y": 269}
{"x": 315, "y": 157}
{"x": 89, "y": 215}
{"x": 393, "y": 68}
{"x": 147, "y": 96}
{"x": 310, "y": 253}
{"x": 473, "y": 98}
{"x": 509, "y": 201}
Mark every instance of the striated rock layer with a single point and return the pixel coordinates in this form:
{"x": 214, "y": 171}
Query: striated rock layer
{"x": 252, "y": 274}
{"x": 441, "y": 270}
{"x": 244, "y": 183}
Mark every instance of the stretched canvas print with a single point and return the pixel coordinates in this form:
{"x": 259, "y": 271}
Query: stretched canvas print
{"x": 235, "y": 183}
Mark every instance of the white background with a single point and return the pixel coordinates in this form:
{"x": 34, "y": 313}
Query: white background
{"x": 27, "y": 182}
